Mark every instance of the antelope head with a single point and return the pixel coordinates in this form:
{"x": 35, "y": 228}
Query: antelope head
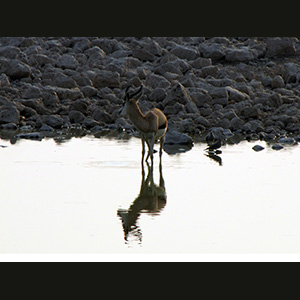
{"x": 136, "y": 96}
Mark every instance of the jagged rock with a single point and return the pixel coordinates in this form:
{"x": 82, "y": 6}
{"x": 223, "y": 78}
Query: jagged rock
{"x": 54, "y": 121}
{"x": 9, "y": 114}
{"x": 37, "y": 136}
{"x": 240, "y": 55}
{"x": 14, "y": 68}
{"x": 67, "y": 61}
{"x": 184, "y": 52}
{"x": 278, "y": 82}
{"x": 106, "y": 79}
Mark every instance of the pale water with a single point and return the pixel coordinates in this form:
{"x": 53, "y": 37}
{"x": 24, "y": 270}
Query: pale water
{"x": 86, "y": 196}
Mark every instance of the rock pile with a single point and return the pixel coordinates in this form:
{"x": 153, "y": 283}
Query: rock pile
{"x": 242, "y": 85}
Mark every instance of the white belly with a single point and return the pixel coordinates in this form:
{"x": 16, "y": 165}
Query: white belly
{"x": 160, "y": 133}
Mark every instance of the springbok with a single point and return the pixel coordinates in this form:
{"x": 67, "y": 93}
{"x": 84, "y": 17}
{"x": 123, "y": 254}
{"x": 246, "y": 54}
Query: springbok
{"x": 152, "y": 126}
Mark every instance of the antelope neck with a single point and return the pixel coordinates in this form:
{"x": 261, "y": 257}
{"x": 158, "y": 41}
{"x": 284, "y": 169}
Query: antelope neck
{"x": 137, "y": 117}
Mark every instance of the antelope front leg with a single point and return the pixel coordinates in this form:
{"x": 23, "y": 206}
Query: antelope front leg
{"x": 148, "y": 144}
{"x": 143, "y": 149}
{"x": 162, "y": 141}
{"x": 151, "y": 148}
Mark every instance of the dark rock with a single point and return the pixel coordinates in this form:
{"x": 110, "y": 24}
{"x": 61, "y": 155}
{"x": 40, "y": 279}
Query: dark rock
{"x": 50, "y": 98}
{"x": 80, "y": 105}
{"x": 191, "y": 107}
{"x": 95, "y": 57}
{"x": 215, "y": 134}
{"x": 153, "y": 81}
{"x": 67, "y": 61}
{"x": 240, "y": 55}
{"x": 201, "y": 62}
{"x": 81, "y": 44}
{"x": 54, "y": 121}
{"x": 250, "y": 112}
{"x": 290, "y": 72}
{"x": 209, "y": 71}
{"x": 184, "y": 52}
{"x": 177, "y": 66}
{"x": 234, "y": 94}
{"x": 202, "y": 121}
{"x": 11, "y": 52}
{"x": 280, "y": 47}
{"x": 214, "y": 51}
{"x": 236, "y": 123}
{"x": 254, "y": 126}
{"x": 37, "y": 136}
{"x": 9, "y": 114}
{"x": 278, "y": 82}
{"x": 175, "y": 137}
{"x": 227, "y": 133}
{"x": 65, "y": 93}
{"x": 277, "y": 147}
{"x": 9, "y": 126}
{"x": 89, "y": 91}
{"x": 106, "y": 79}
{"x": 46, "y": 128}
{"x": 258, "y": 148}
{"x": 143, "y": 55}
{"x": 14, "y": 68}
{"x": 64, "y": 81}
{"x": 4, "y": 80}
{"x": 101, "y": 116}
{"x": 200, "y": 96}
{"x": 287, "y": 141}
{"x": 158, "y": 95}
{"x": 28, "y": 112}
{"x": 177, "y": 94}
{"x": 32, "y": 92}
{"x": 76, "y": 116}
{"x": 108, "y": 45}
{"x": 89, "y": 123}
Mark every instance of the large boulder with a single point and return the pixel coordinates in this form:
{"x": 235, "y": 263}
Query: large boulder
{"x": 9, "y": 114}
{"x": 14, "y": 68}
{"x": 280, "y": 47}
{"x": 174, "y": 137}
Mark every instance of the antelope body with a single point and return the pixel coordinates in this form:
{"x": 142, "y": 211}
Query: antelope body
{"x": 152, "y": 126}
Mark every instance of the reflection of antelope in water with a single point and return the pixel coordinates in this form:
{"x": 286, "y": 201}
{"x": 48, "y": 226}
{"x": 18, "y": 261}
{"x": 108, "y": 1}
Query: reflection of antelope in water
{"x": 151, "y": 200}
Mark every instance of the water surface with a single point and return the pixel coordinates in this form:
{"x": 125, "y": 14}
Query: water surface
{"x": 92, "y": 195}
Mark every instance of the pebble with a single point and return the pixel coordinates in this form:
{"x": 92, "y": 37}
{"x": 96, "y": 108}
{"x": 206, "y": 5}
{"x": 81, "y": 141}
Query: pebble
{"x": 277, "y": 147}
{"x": 258, "y": 148}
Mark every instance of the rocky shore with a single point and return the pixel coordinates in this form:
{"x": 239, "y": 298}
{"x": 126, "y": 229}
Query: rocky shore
{"x": 224, "y": 86}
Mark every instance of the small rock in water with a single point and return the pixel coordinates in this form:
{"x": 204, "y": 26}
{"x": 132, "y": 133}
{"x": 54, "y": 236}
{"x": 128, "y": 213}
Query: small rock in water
{"x": 258, "y": 148}
{"x": 287, "y": 141}
{"x": 30, "y": 136}
{"x": 277, "y": 147}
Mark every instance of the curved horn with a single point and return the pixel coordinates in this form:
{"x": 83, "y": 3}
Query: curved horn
{"x": 127, "y": 95}
{"x": 139, "y": 90}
